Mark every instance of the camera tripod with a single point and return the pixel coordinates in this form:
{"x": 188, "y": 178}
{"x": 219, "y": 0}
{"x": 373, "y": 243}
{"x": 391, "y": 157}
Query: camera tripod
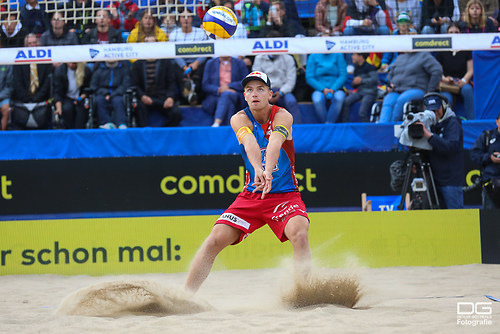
{"x": 423, "y": 186}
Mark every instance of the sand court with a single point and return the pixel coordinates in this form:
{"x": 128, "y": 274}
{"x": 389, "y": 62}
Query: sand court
{"x": 393, "y": 300}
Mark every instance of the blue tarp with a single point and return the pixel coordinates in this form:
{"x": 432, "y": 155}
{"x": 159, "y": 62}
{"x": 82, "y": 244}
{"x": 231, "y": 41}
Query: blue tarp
{"x": 486, "y": 84}
{"x": 147, "y": 142}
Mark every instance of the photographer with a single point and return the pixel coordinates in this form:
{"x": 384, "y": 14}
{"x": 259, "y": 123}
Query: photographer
{"x": 447, "y": 156}
{"x": 486, "y": 153}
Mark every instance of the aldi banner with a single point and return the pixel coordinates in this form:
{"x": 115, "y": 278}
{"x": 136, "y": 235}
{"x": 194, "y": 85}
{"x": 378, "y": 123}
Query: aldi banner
{"x": 237, "y": 47}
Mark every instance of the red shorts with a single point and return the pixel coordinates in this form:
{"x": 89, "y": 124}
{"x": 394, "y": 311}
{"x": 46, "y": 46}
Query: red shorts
{"x": 249, "y": 212}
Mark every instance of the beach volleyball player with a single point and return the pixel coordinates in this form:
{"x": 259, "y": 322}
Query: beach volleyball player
{"x": 270, "y": 196}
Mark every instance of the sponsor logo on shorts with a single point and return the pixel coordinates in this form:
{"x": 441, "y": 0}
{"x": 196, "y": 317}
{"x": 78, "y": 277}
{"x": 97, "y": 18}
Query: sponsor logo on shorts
{"x": 235, "y": 220}
{"x": 285, "y": 210}
{"x": 194, "y": 49}
{"x": 431, "y": 43}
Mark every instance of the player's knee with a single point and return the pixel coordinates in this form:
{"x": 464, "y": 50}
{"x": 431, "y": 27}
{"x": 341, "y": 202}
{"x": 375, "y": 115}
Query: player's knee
{"x": 298, "y": 230}
{"x": 218, "y": 240}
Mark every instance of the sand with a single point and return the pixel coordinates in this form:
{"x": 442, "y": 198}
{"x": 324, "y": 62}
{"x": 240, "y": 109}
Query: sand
{"x": 394, "y": 300}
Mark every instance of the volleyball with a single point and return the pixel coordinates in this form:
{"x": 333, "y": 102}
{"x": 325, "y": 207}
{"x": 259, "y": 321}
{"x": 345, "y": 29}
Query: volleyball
{"x": 219, "y": 22}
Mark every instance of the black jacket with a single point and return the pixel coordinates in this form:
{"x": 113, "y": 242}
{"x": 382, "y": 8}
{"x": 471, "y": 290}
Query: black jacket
{"x": 481, "y": 152}
{"x": 165, "y": 78}
{"x": 21, "y": 75}
{"x": 447, "y": 155}
{"x": 114, "y": 36}
{"x": 430, "y": 11}
{"x": 110, "y": 81}
{"x": 61, "y": 81}
{"x": 16, "y": 41}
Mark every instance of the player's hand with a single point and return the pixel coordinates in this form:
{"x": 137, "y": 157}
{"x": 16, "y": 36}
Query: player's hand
{"x": 259, "y": 180}
{"x": 268, "y": 176}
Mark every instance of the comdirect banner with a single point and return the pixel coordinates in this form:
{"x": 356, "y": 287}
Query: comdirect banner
{"x": 168, "y": 244}
{"x": 187, "y": 183}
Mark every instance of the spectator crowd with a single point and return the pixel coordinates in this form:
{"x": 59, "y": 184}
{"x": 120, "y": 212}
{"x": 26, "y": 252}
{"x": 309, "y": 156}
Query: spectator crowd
{"x": 46, "y": 95}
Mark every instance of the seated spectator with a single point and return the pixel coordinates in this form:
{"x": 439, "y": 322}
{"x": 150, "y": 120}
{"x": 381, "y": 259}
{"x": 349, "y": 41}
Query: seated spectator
{"x": 365, "y": 88}
{"x": 329, "y": 16}
{"x": 12, "y": 33}
{"x": 222, "y": 86}
{"x": 436, "y": 16}
{"x": 146, "y": 27}
{"x": 58, "y": 34}
{"x": 168, "y": 24}
{"x": 192, "y": 68}
{"x": 457, "y": 75}
{"x": 411, "y": 7}
{"x": 475, "y": 19}
{"x": 155, "y": 83}
{"x": 403, "y": 28}
{"x": 124, "y": 14}
{"x": 109, "y": 83}
{"x": 103, "y": 33}
{"x": 80, "y": 15}
{"x": 31, "y": 84}
{"x": 33, "y": 17}
{"x": 327, "y": 74}
{"x": 253, "y": 16}
{"x": 411, "y": 76}
{"x": 490, "y": 8}
{"x": 366, "y": 17}
{"x": 70, "y": 82}
{"x": 5, "y": 92}
{"x": 277, "y": 21}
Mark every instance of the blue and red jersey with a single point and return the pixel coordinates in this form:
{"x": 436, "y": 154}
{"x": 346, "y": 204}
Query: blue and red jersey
{"x": 284, "y": 179}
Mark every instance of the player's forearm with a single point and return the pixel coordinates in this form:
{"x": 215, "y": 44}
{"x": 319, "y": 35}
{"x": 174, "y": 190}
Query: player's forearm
{"x": 273, "y": 151}
{"x": 254, "y": 155}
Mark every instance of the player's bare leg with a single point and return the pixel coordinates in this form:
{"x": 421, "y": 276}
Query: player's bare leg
{"x": 221, "y": 236}
{"x": 297, "y": 231}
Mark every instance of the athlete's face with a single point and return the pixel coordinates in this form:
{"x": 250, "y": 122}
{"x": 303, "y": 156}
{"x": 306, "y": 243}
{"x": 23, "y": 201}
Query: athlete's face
{"x": 257, "y": 94}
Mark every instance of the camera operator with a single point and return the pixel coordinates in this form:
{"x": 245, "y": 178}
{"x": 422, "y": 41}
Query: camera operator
{"x": 447, "y": 155}
{"x": 486, "y": 153}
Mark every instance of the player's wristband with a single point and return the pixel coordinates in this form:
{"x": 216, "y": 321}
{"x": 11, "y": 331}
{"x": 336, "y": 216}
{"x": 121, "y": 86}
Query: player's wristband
{"x": 242, "y": 132}
{"x": 281, "y": 130}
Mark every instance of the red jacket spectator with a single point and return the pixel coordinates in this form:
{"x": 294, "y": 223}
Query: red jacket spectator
{"x": 124, "y": 15}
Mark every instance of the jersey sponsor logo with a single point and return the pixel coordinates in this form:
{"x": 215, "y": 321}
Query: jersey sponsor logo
{"x": 232, "y": 218}
{"x": 270, "y": 46}
{"x": 264, "y": 153}
{"x": 39, "y": 55}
